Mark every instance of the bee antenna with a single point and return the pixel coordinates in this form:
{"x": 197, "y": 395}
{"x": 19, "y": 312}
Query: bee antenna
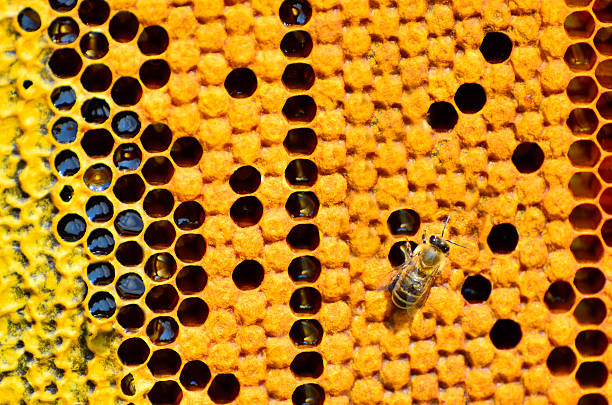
{"x": 456, "y": 244}
{"x": 443, "y": 229}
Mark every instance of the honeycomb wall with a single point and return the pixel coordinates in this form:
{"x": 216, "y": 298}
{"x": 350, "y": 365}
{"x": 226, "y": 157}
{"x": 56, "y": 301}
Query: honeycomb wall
{"x": 202, "y": 200}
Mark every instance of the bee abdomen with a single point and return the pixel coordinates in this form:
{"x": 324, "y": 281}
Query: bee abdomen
{"x": 407, "y": 292}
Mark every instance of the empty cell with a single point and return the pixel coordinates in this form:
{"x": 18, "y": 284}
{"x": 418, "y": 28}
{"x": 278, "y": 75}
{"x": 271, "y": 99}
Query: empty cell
{"x": 603, "y": 41}
{"x": 160, "y": 234}
{"x": 224, "y": 388}
{"x": 100, "y": 242}
{"x": 589, "y": 280}
{"x": 162, "y": 330}
{"x": 605, "y": 201}
{"x": 156, "y": 138}
{"x": 442, "y": 116}
{"x": 302, "y": 205}
{"x": 295, "y": 12}
{"x": 584, "y": 153}
{"x": 154, "y": 73}
{"x": 189, "y": 216}
{"x": 528, "y": 157}
{"x": 311, "y": 394}
{"x": 306, "y": 300}
{"x": 100, "y": 273}
{"x": 99, "y": 209}
{"x": 296, "y": 44}
{"x": 123, "y": 27}
{"x": 305, "y": 269}
{"x": 590, "y": 311}
{"x": 584, "y": 185}
{"x": 302, "y": 141}
{"x": 129, "y": 188}
{"x": 300, "y": 108}
{"x": 195, "y": 375}
{"x": 133, "y": 352}
{"x": 65, "y": 63}
{"x": 190, "y": 248}
{"x": 582, "y": 90}
{"x": 165, "y": 393}
{"x": 96, "y": 78}
{"x": 592, "y": 374}
{"x": 95, "y": 110}
{"x": 63, "y": 98}
{"x": 404, "y": 222}
{"x": 153, "y": 40}
{"x": 94, "y": 45}
{"x": 158, "y": 203}
{"x": 606, "y": 232}
{"x": 298, "y": 76}
{"x": 28, "y": 19}
{"x": 496, "y": 47}
{"x": 241, "y": 83}
{"x": 505, "y": 334}
{"x": 245, "y": 180}
{"x": 127, "y": 385}
{"x": 579, "y": 24}
{"x": 126, "y": 124}
{"x": 62, "y": 5}
{"x": 162, "y": 298}
{"x": 164, "y": 363}
{"x": 129, "y": 223}
{"x": 97, "y": 143}
{"x": 306, "y": 332}
{"x": 307, "y": 365}
{"x": 603, "y": 73}
{"x": 131, "y": 317}
{"x": 160, "y": 266}
{"x": 102, "y": 305}
{"x": 604, "y": 137}
{"x": 303, "y": 237}
{"x": 503, "y": 238}
{"x": 64, "y": 130}
{"x": 63, "y": 30}
{"x": 582, "y": 121}
{"x": 560, "y": 297}
{"x": 248, "y": 275}
{"x": 192, "y": 312}
{"x": 470, "y": 98}
{"x": 126, "y": 91}
{"x": 98, "y": 177}
{"x": 130, "y": 286}
{"x": 129, "y": 253}
{"x": 246, "y": 211}
{"x": 580, "y": 57}
{"x": 301, "y": 172}
{"x": 587, "y": 248}
{"x": 397, "y": 253}
{"x": 186, "y": 151}
{"x": 158, "y": 170}
{"x": 561, "y": 361}
{"x": 593, "y": 399}
{"x": 604, "y": 105}
{"x": 476, "y": 289}
{"x": 191, "y": 279}
{"x": 605, "y": 169}
{"x": 94, "y": 12}
{"x": 585, "y": 216}
{"x": 591, "y": 342}
{"x": 127, "y": 157}
{"x": 603, "y": 10}
{"x": 67, "y": 163}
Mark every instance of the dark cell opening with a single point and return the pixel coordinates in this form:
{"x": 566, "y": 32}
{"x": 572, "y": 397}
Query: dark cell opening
{"x": 503, "y": 238}
{"x": 583, "y": 89}
{"x": 190, "y": 248}
{"x": 591, "y": 342}
{"x": 589, "y": 280}
{"x": 62, "y": 5}
{"x": 67, "y": 163}
{"x": 131, "y": 317}
{"x": 603, "y": 10}
{"x": 126, "y": 124}
{"x": 127, "y": 385}
{"x": 66, "y": 193}
{"x": 154, "y": 73}
{"x": 582, "y": 121}
{"x": 94, "y": 45}
{"x": 587, "y": 248}
{"x": 305, "y": 269}
{"x": 164, "y": 362}
{"x": 153, "y": 40}
{"x": 195, "y": 375}
{"x": 300, "y": 108}
{"x": 301, "y": 172}
{"x": 95, "y": 110}
{"x": 186, "y": 151}
{"x": 191, "y": 279}
{"x": 65, "y": 63}
{"x": 248, "y": 275}
{"x": 397, "y": 254}
{"x": 129, "y": 223}
{"x": 584, "y": 153}
{"x": 126, "y": 91}
{"x": 590, "y": 311}
{"x": 298, "y": 76}
{"x": 476, "y": 289}
{"x": 129, "y": 188}
{"x": 224, "y": 388}
{"x": 496, "y": 47}
{"x": 302, "y": 205}
{"x": 162, "y": 298}
{"x": 295, "y": 12}
{"x": 162, "y": 330}
{"x": 241, "y": 83}
{"x": 296, "y": 44}
{"x": 300, "y": 141}
{"x": 133, "y": 352}
{"x": 158, "y": 170}
{"x": 245, "y": 180}
{"x": 579, "y": 24}
{"x": 123, "y": 27}
{"x": 63, "y": 98}
{"x": 165, "y": 393}
{"x": 561, "y": 361}
{"x": 156, "y": 138}
{"x": 303, "y": 236}
{"x": 605, "y": 200}
{"x": 470, "y": 98}
{"x": 246, "y": 211}
{"x": 442, "y": 116}
{"x": 99, "y": 209}
{"x": 100, "y": 273}
{"x": 160, "y": 266}
{"x": 605, "y": 169}
{"x": 311, "y": 394}
{"x": 307, "y": 365}
{"x": 306, "y": 332}
{"x": 306, "y": 300}
{"x": 96, "y": 78}
{"x": 63, "y": 30}
{"x": 158, "y": 203}
{"x": 189, "y": 215}
{"x": 160, "y": 234}
{"x": 592, "y": 374}
{"x": 585, "y": 216}
{"x": 98, "y": 177}
{"x": 593, "y": 399}
{"x": 102, "y": 305}
{"x": 604, "y": 105}
{"x": 28, "y": 19}
{"x": 94, "y": 12}
{"x": 404, "y": 222}
{"x": 130, "y": 286}
{"x": 71, "y": 227}
{"x": 528, "y": 157}
{"x": 192, "y": 312}
{"x": 505, "y": 334}
{"x": 560, "y": 297}
{"x": 97, "y": 143}
{"x": 603, "y": 41}
{"x": 27, "y": 84}
{"x": 129, "y": 253}
{"x": 584, "y": 185}
{"x": 606, "y": 232}
{"x": 64, "y": 130}
{"x": 127, "y": 157}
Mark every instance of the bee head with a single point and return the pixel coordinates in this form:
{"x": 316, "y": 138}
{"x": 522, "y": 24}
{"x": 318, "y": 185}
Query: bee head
{"x": 439, "y": 243}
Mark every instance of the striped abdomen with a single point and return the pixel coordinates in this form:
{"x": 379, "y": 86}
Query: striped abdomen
{"x": 408, "y": 289}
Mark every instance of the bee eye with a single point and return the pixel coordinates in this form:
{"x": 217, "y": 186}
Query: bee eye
{"x": 433, "y": 239}
{"x": 445, "y": 248}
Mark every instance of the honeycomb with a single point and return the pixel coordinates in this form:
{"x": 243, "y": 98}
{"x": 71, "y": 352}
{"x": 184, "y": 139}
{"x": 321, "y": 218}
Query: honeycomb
{"x": 201, "y": 200}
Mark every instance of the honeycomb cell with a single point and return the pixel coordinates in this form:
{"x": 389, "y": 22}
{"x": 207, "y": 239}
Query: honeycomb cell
{"x": 306, "y": 332}
{"x": 160, "y": 266}
{"x": 126, "y": 91}
{"x": 503, "y": 238}
{"x": 123, "y": 27}
{"x": 64, "y": 130}
{"x": 580, "y": 57}
{"x": 191, "y": 279}
{"x": 63, "y": 30}
{"x": 94, "y": 12}
{"x": 582, "y": 121}
{"x": 305, "y": 269}
{"x": 158, "y": 170}
{"x": 301, "y": 108}
{"x": 65, "y": 63}
{"x": 246, "y": 211}
{"x": 241, "y": 83}
{"x": 301, "y": 173}
{"x": 245, "y": 180}
{"x": 605, "y": 169}
{"x": 585, "y": 216}
{"x": 28, "y": 19}
{"x": 582, "y": 90}
{"x": 579, "y": 24}
{"x": 603, "y": 10}
{"x": 154, "y": 73}
{"x": 404, "y": 222}
{"x": 590, "y": 311}
{"x": 67, "y": 163}
{"x": 126, "y": 124}
{"x": 127, "y": 385}
{"x": 587, "y": 248}
{"x": 593, "y": 399}
{"x": 190, "y": 248}
{"x": 589, "y": 280}
{"x": 102, "y": 305}
{"x": 470, "y": 98}
{"x": 160, "y": 234}
{"x": 129, "y": 188}
{"x": 158, "y": 203}
{"x": 603, "y": 41}
{"x": 153, "y": 40}
{"x": 296, "y": 44}
{"x": 311, "y": 394}
{"x": 97, "y": 143}
{"x": 195, "y": 375}
{"x": 505, "y": 334}
{"x": 303, "y": 237}
{"x": 156, "y": 138}
{"x": 165, "y": 393}
{"x": 604, "y": 105}
{"x": 584, "y": 185}
{"x": 592, "y": 374}
{"x": 305, "y": 300}
{"x": 591, "y": 342}
{"x": 94, "y": 45}
{"x": 584, "y": 153}
{"x": 99, "y": 209}
{"x": 189, "y": 216}
{"x": 98, "y": 177}
{"x": 62, "y": 5}
{"x": 496, "y": 47}
{"x": 307, "y": 365}
{"x": 302, "y": 205}
{"x": 131, "y": 317}
{"x": 96, "y": 78}
{"x": 295, "y": 12}
{"x": 561, "y": 361}
{"x": 298, "y": 76}
{"x": 129, "y": 254}
{"x": 397, "y": 253}
{"x": 603, "y": 73}
{"x": 95, "y": 110}
{"x": 560, "y": 297}
{"x": 162, "y": 298}
{"x": 606, "y": 232}
{"x": 133, "y": 352}
{"x": 476, "y": 289}
{"x": 63, "y": 98}
{"x": 66, "y": 193}
{"x": 100, "y": 273}
{"x": 192, "y": 312}
{"x": 248, "y": 275}
{"x": 528, "y": 157}
{"x": 442, "y": 116}
{"x": 127, "y": 157}
{"x": 164, "y": 363}
{"x": 162, "y": 330}
{"x": 301, "y": 141}
{"x": 186, "y": 151}
{"x": 130, "y": 286}
{"x": 71, "y": 227}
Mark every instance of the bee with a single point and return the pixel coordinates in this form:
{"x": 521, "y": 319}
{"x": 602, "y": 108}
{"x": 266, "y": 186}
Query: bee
{"x": 412, "y": 280}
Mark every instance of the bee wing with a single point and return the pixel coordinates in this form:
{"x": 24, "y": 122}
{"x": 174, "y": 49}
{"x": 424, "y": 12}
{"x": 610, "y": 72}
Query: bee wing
{"x": 423, "y": 298}
{"x": 388, "y": 281}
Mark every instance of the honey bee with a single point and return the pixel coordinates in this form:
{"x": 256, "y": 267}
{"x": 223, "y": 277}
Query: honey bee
{"x": 412, "y": 280}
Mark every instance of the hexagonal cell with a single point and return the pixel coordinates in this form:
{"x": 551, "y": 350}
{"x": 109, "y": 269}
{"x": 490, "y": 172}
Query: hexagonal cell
{"x": 605, "y": 169}
{"x": 158, "y": 203}
{"x": 304, "y": 236}
{"x": 306, "y": 332}
{"x": 404, "y": 222}
{"x": 584, "y": 185}
{"x": 301, "y": 172}
{"x": 131, "y": 317}
{"x": 189, "y": 215}
{"x": 192, "y": 312}
{"x": 160, "y": 234}
{"x": 154, "y": 73}
{"x": 603, "y": 73}
{"x": 246, "y": 211}
{"x": 164, "y": 362}
{"x": 127, "y": 385}
{"x": 305, "y": 269}
{"x": 604, "y": 105}
{"x": 496, "y": 47}
{"x": 100, "y": 242}
{"x": 310, "y": 393}
{"x": 300, "y": 108}
{"x": 592, "y": 374}
{"x": 28, "y": 19}
{"x": 295, "y": 12}
{"x": 603, "y": 41}
{"x": 224, "y": 388}
{"x": 579, "y": 24}
{"x": 186, "y": 151}
{"x": 133, "y": 352}
{"x": 130, "y": 286}
{"x": 505, "y": 334}
{"x": 298, "y": 76}
{"x": 129, "y": 253}
{"x": 296, "y": 44}
{"x": 153, "y": 40}
{"x": 102, "y": 305}
{"x": 96, "y": 78}
{"x": 587, "y": 248}
{"x": 603, "y": 10}
{"x": 190, "y": 247}
{"x": 162, "y": 298}
{"x": 580, "y": 57}
{"x": 582, "y": 121}
{"x": 593, "y": 399}
{"x": 503, "y": 238}
{"x": 191, "y": 279}
{"x": 195, "y": 375}
{"x": 584, "y": 153}
{"x": 585, "y": 216}
{"x": 165, "y": 393}
{"x": 158, "y": 170}
{"x": 591, "y": 342}
{"x": 582, "y": 90}
{"x": 129, "y": 188}
{"x": 606, "y": 232}
{"x": 248, "y": 275}
{"x": 559, "y": 297}
{"x": 528, "y": 157}
{"x": 307, "y": 365}
{"x": 604, "y": 137}
{"x": 306, "y": 300}
{"x": 160, "y": 266}
{"x": 127, "y": 157}
{"x": 442, "y": 116}
{"x": 94, "y": 12}
{"x": 590, "y": 311}
{"x": 162, "y": 330}
{"x": 561, "y": 361}
{"x": 123, "y": 27}
{"x": 605, "y": 201}
{"x": 476, "y": 289}
{"x": 470, "y": 98}
{"x": 589, "y": 280}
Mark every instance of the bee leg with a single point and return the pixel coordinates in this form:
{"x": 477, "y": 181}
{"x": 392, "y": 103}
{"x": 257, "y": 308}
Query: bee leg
{"x": 424, "y": 235}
